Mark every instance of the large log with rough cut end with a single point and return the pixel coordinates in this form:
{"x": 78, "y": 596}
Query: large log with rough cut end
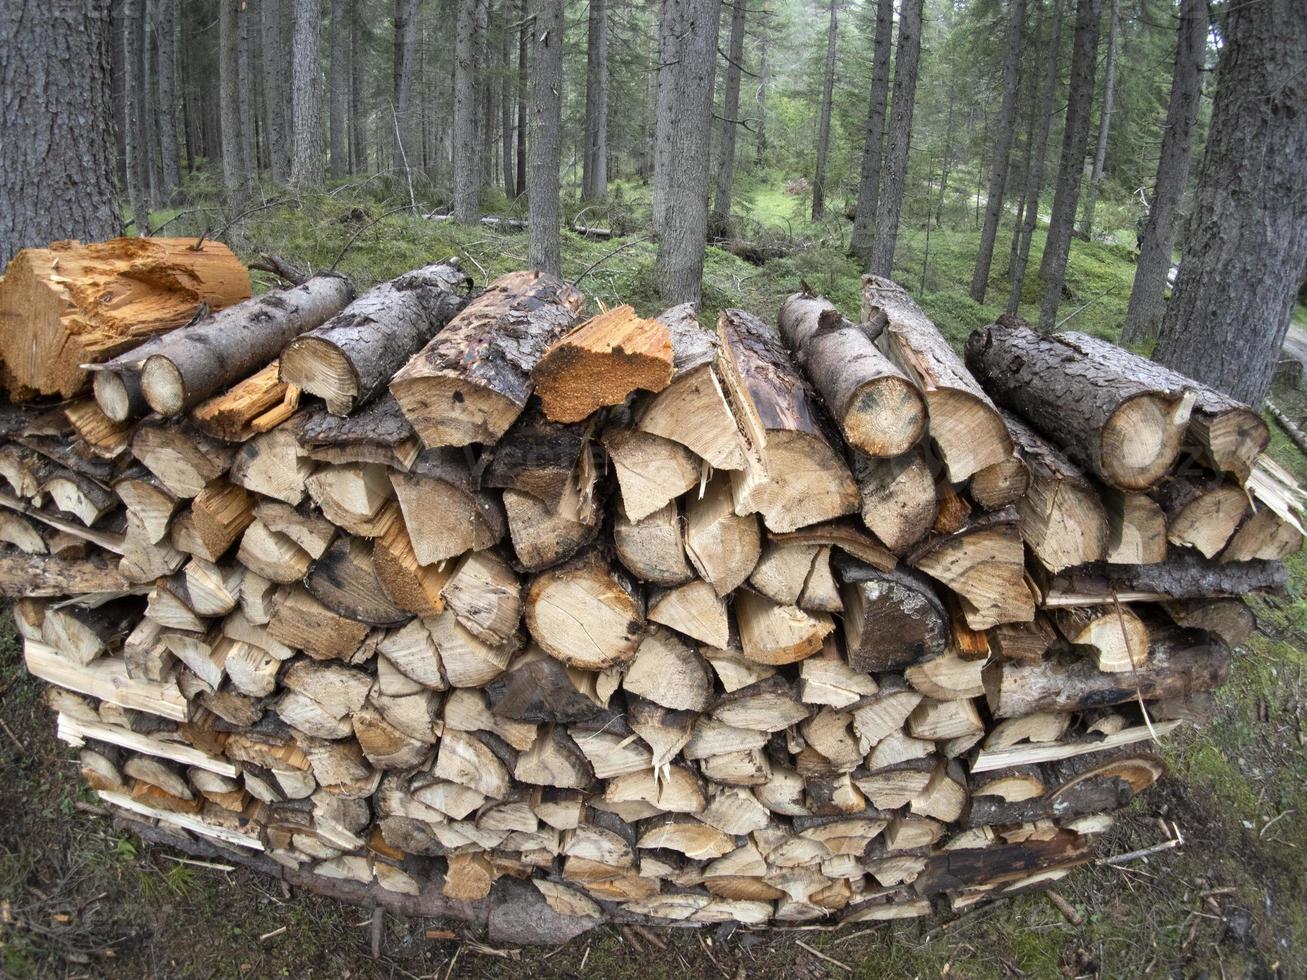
{"x": 600, "y": 362}
{"x": 585, "y": 613}
{"x": 1062, "y": 519}
{"x": 352, "y": 356}
{"x": 472, "y": 381}
{"x": 963, "y": 422}
{"x": 1093, "y": 403}
{"x": 983, "y": 562}
{"x": 876, "y": 407}
{"x": 805, "y": 479}
{"x": 1184, "y": 575}
{"x": 73, "y": 304}
{"x": 891, "y": 619}
{"x": 1226, "y": 434}
{"x": 1180, "y": 663}
{"x": 178, "y": 370}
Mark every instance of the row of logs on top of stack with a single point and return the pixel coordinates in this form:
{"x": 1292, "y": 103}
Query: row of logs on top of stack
{"x": 426, "y": 588}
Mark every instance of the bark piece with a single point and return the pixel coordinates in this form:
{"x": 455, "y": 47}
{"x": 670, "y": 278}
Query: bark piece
{"x": 984, "y": 564}
{"x": 600, "y": 362}
{"x": 962, "y": 420}
{"x": 1184, "y": 575}
{"x": 586, "y": 592}
{"x": 891, "y": 619}
{"x": 1099, "y": 404}
{"x": 73, "y": 304}
{"x": 376, "y": 433}
{"x": 877, "y": 408}
{"x": 351, "y": 357}
{"x": 472, "y": 381}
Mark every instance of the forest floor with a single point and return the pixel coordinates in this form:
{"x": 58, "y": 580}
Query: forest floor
{"x": 78, "y": 898}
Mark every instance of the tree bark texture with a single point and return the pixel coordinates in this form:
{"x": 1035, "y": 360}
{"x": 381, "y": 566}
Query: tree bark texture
{"x": 56, "y": 147}
{"x": 545, "y": 211}
{"x": 1143, "y": 314}
{"x": 895, "y": 169}
{"x": 687, "y": 65}
{"x": 594, "y": 164}
{"x": 358, "y": 142}
{"x": 1104, "y": 123}
{"x": 1075, "y": 136}
{"x": 1247, "y": 243}
{"x": 338, "y": 86}
{"x": 1039, "y": 159}
{"x": 274, "y": 90}
{"x": 764, "y": 79}
{"x": 406, "y": 142}
{"x": 873, "y": 141}
{"x": 508, "y": 91}
{"x": 1005, "y": 126}
{"x": 234, "y": 177}
{"x": 245, "y": 81}
{"x": 166, "y": 36}
{"x": 133, "y": 17}
{"x": 721, "y": 212}
{"x": 823, "y": 123}
{"x": 523, "y": 33}
{"x": 306, "y": 95}
{"x": 464, "y": 147}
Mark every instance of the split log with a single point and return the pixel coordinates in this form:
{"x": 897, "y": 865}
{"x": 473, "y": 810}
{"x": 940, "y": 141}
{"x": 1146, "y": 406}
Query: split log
{"x": 178, "y": 370}
{"x": 1075, "y": 787}
{"x": 1184, "y": 575}
{"x": 472, "y": 381}
{"x": 601, "y": 362}
{"x": 703, "y": 408}
{"x": 345, "y": 580}
{"x": 72, "y": 304}
{"x": 376, "y": 433}
{"x": 1180, "y": 663}
{"x": 105, "y": 437}
{"x": 783, "y": 570}
{"x": 485, "y": 596}
{"x": 354, "y": 497}
{"x": 1263, "y": 535}
{"x": 49, "y": 575}
{"x": 301, "y": 621}
{"x": 1201, "y": 514}
{"x": 891, "y": 619}
{"x": 669, "y": 673}
{"x": 1000, "y": 484}
{"x": 651, "y": 471}
{"x": 75, "y": 494}
{"x": 540, "y": 458}
{"x": 877, "y": 408}
{"x": 444, "y": 511}
{"x": 1230, "y": 619}
{"x": 804, "y": 478}
{"x": 653, "y": 548}
{"x": 1136, "y": 528}
{"x": 984, "y": 564}
{"x": 258, "y": 404}
{"x": 536, "y": 688}
{"x": 544, "y": 536}
{"x": 1095, "y": 402}
{"x": 183, "y": 460}
{"x": 1062, "y": 519}
{"x": 694, "y": 609}
{"x": 962, "y": 420}
{"x": 585, "y": 590}
{"x": 350, "y": 358}
{"x": 81, "y": 634}
{"x": 898, "y": 498}
{"x": 1117, "y": 638}
{"x": 274, "y": 464}
{"x": 774, "y": 634}
{"x": 723, "y": 546}
{"x": 1022, "y": 641}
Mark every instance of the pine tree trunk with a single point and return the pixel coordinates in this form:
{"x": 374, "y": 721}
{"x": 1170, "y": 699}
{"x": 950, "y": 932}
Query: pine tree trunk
{"x": 522, "y": 67}
{"x": 823, "y": 124}
{"x": 233, "y": 170}
{"x": 543, "y": 247}
{"x": 1143, "y": 314}
{"x": 507, "y": 92}
{"x": 594, "y": 162}
{"x": 166, "y": 29}
{"x": 1075, "y": 137}
{"x": 306, "y": 101}
{"x": 1035, "y": 175}
{"x": 900, "y": 136}
{"x": 62, "y": 185}
{"x": 1246, "y": 247}
{"x": 340, "y": 39}
{"x": 358, "y": 129}
{"x": 873, "y": 140}
{"x": 464, "y": 135}
{"x": 1104, "y": 124}
{"x": 133, "y": 149}
{"x": 484, "y": 111}
{"x": 721, "y": 214}
{"x": 149, "y": 106}
{"x": 274, "y": 90}
{"x": 406, "y": 28}
{"x": 687, "y": 66}
{"x": 245, "y": 74}
{"x": 764, "y": 78}
{"x": 1005, "y": 127}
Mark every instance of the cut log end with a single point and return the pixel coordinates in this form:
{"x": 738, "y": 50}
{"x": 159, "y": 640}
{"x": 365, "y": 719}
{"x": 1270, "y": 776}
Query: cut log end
{"x": 162, "y": 386}
{"x": 970, "y": 434}
{"x": 112, "y": 395}
{"x": 1142, "y": 438}
{"x": 885, "y": 417}
{"x": 447, "y": 411}
{"x": 323, "y": 369}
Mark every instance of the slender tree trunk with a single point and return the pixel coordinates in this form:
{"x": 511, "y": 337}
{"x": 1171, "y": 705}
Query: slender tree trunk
{"x": 1143, "y": 314}
{"x": 543, "y": 247}
{"x": 1005, "y": 127}
{"x": 594, "y": 164}
{"x": 687, "y": 65}
{"x": 764, "y": 79}
{"x": 946, "y": 161}
{"x": 117, "y": 67}
{"x": 168, "y": 96}
{"x": 1104, "y": 124}
{"x": 62, "y": 184}
{"x": 507, "y": 91}
{"x": 274, "y": 89}
{"x": 720, "y": 219}
{"x": 407, "y": 14}
{"x": 150, "y": 108}
{"x": 873, "y": 140}
{"x": 137, "y": 184}
{"x": 306, "y": 104}
{"x": 1075, "y": 138}
{"x": 523, "y": 32}
{"x": 358, "y": 128}
{"x": 1035, "y": 175}
{"x": 233, "y": 165}
{"x": 823, "y": 123}
{"x": 1246, "y": 248}
{"x": 485, "y": 117}
{"x": 245, "y": 74}
{"x": 1032, "y": 82}
{"x": 464, "y": 135}
{"x": 900, "y": 136}
{"x": 337, "y": 86}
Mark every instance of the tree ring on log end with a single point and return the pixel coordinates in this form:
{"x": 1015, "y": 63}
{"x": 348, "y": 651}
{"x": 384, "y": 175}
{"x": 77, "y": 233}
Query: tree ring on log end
{"x": 1141, "y": 439}
{"x": 323, "y": 369}
{"x": 112, "y": 396}
{"x": 162, "y": 386}
{"x": 885, "y": 417}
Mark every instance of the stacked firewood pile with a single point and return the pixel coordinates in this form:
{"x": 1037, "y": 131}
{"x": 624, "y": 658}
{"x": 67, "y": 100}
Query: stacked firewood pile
{"x": 408, "y": 593}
